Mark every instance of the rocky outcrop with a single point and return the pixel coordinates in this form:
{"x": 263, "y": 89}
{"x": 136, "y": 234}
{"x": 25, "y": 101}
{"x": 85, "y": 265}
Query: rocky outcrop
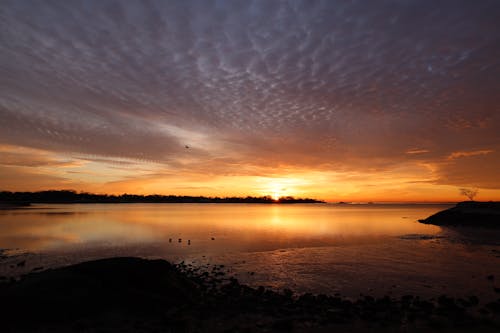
{"x": 468, "y": 213}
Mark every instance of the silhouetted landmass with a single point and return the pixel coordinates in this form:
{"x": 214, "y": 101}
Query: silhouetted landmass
{"x": 68, "y": 196}
{"x": 468, "y": 213}
{"x": 137, "y": 295}
{"x": 13, "y": 204}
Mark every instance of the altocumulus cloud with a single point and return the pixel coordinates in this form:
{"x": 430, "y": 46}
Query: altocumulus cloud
{"x": 331, "y": 85}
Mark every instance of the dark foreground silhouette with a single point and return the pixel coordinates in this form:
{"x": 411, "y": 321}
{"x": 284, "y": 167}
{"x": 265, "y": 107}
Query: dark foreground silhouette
{"x": 468, "y": 213}
{"x": 137, "y": 295}
{"x": 67, "y": 196}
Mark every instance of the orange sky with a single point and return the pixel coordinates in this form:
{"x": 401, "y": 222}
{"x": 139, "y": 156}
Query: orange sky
{"x": 26, "y": 169}
{"x": 394, "y": 101}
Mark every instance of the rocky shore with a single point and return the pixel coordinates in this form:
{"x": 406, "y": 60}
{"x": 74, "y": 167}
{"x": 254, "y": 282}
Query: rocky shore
{"x": 138, "y": 295}
{"x": 469, "y": 214}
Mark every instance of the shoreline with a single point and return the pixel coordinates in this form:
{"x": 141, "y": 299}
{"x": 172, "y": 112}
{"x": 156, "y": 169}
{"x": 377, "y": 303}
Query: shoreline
{"x": 157, "y": 296}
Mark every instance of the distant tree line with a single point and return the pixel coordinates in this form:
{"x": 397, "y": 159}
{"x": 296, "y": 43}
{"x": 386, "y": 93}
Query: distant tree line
{"x": 69, "y": 196}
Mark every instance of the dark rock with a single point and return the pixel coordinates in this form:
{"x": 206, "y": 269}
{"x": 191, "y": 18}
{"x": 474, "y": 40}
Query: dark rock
{"x": 473, "y": 300}
{"x": 287, "y": 293}
{"x": 407, "y": 298}
{"x": 131, "y": 294}
{"x": 483, "y": 311}
{"x": 95, "y": 289}
{"x": 468, "y": 213}
{"x": 494, "y": 306}
{"x": 284, "y": 325}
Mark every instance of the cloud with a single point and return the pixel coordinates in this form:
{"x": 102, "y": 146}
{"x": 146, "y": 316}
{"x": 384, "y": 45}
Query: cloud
{"x": 29, "y": 179}
{"x": 458, "y": 154}
{"x": 470, "y": 169}
{"x": 416, "y": 151}
{"x": 251, "y": 86}
{"x": 28, "y": 157}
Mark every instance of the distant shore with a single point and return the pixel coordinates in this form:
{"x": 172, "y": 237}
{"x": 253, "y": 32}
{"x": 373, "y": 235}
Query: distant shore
{"x": 13, "y": 204}
{"x": 138, "y": 295}
{"x": 72, "y": 197}
{"x": 468, "y": 214}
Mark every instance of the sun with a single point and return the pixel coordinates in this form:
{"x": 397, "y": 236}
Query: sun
{"x": 277, "y": 191}
{"x": 277, "y": 188}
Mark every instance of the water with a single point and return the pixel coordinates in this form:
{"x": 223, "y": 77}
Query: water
{"x": 346, "y": 249}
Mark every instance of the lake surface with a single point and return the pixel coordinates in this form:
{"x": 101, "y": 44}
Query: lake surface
{"x": 319, "y": 248}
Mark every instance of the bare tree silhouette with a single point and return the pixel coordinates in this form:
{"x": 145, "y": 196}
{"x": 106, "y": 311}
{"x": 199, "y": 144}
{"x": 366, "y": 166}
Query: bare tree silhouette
{"x": 469, "y": 193}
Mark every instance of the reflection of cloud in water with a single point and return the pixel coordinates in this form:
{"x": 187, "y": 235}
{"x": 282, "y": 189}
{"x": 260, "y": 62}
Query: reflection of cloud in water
{"x": 34, "y": 242}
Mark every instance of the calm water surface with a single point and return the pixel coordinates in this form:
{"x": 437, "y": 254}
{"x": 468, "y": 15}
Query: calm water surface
{"x": 349, "y": 249}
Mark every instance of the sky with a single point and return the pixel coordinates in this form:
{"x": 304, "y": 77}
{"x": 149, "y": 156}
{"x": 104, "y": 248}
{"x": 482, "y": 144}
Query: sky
{"x": 383, "y": 100}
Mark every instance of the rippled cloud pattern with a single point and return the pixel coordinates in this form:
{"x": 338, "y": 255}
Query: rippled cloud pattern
{"x": 328, "y": 85}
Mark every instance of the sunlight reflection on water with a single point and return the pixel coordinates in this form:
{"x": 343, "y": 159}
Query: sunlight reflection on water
{"x": 310, "y": 248}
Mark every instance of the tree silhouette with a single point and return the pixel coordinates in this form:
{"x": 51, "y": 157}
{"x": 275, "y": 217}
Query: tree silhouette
{"x": 469, "y": 193}
{"x": 70, "y": 196}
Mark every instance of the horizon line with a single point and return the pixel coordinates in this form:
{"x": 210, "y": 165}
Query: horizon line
{"x": 326, "y": 201}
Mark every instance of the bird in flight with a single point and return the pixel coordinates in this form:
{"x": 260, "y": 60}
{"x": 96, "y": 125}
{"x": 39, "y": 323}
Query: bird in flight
{"x": 187, "y": 147}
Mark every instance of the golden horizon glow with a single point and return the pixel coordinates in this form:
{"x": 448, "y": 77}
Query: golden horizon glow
{"x": 27, "y": 169}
